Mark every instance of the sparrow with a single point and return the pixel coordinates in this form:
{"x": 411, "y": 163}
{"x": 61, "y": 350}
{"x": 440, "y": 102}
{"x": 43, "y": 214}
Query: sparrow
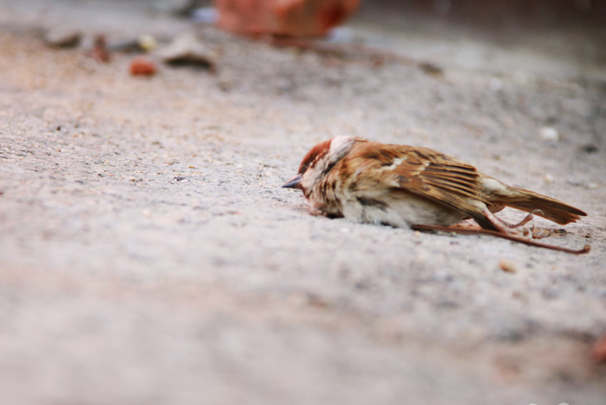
{"x": 406, "y": 186}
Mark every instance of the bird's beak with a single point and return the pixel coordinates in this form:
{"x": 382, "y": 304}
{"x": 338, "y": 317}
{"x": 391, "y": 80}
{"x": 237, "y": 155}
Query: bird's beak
{"x": 295, "y": 182}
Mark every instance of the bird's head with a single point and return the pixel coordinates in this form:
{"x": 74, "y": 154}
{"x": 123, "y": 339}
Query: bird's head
{"x": 319, "y": 161}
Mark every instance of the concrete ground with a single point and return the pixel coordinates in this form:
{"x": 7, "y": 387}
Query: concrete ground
{"x": 149, "y": 255}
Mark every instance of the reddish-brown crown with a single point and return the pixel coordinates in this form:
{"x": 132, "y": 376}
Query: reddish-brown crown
{"x": 316, "y": 153}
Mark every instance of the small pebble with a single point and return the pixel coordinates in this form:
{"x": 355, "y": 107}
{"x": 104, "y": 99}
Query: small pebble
{"x": 431, "y": 69}
{"x": 590, "y": 148}
{"x": 142, "y": 66}
{"x": 188, "y": 50}
{"x": 508, "y": 265}
{"x": 62, "y": 38}
{"x": 495, "y": 84}
{"x": 549, "y": 178}
{"x": 100, "y": 51}
{"x": 599, "y": 350}
{"x": 147, "y": 43}
{"x": 549, "y": 134}
{"x": 143, "y": 43}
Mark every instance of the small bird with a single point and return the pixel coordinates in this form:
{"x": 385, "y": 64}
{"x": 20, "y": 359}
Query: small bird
{"x": 406, "y": 186}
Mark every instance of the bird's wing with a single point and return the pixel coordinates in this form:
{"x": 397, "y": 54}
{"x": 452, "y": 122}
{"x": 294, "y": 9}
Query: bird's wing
{"x": 421, "y": 171}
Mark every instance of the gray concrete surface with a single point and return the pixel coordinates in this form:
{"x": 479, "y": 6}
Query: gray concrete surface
{"x": 149, "y": 255}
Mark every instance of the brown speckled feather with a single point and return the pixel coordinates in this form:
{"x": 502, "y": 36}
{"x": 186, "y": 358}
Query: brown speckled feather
{"x": 421, "y": 171}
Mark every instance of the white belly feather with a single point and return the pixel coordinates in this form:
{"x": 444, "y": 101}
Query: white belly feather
{"x": 400, "y": 212}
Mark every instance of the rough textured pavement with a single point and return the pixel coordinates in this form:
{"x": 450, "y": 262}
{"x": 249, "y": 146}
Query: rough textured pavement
{"x": 149, "y": 255}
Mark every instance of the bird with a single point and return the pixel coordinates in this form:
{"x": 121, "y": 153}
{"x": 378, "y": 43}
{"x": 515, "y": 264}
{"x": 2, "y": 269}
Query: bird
{"x": 406, "y": 186}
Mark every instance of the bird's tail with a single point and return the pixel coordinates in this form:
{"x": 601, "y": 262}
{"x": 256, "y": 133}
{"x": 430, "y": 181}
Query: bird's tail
{"x": 552, "y": 209}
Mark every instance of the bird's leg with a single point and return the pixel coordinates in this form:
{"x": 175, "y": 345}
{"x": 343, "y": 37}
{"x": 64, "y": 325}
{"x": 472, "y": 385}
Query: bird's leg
{"x": 527, "y": 219}
{"x": 541, "y": 233}
{"x": 531, "y": 233}
{"x": 504, "y": 227}
{"x": 536, "y": 233}
{"x": 509, "y": 236}
{"x": 523, "y": 222}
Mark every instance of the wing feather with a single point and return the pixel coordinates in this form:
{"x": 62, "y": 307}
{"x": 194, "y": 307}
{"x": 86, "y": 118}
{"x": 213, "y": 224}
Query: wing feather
{"x": 426, "y": 173}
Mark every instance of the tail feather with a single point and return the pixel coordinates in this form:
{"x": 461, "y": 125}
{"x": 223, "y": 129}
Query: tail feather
{"x": 552, "y": 209}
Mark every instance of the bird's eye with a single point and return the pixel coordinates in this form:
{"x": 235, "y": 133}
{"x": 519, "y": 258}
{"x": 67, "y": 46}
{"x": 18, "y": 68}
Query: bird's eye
{"x": 305, "y": 165}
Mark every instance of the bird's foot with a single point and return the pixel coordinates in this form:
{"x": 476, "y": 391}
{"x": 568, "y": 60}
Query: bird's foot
{"x": 526, "y": 219}
{"x": 518, "y": 229}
